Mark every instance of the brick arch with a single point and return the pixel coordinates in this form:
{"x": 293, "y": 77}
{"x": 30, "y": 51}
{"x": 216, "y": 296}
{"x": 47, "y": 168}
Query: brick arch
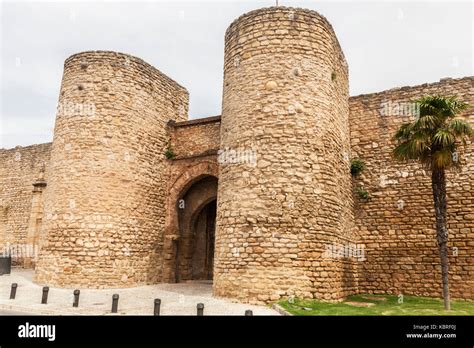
{"x": 190, "y": 176}
{"x": 178, "y": 188}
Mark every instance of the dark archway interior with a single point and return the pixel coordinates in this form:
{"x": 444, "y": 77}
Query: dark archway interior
{"x": 197, "y": 223}
{"x": 204, "y": 234}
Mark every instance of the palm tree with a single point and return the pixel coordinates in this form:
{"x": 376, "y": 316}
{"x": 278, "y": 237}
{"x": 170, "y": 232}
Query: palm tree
{"x": 432, "y": 139}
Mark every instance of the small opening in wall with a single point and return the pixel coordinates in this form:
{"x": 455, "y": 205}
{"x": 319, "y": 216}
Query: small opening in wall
{"x": 80, "y": 87}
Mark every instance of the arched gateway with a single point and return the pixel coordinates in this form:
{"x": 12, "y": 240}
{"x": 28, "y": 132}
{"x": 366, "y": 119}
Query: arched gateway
{"x": 191, "y": 222}
{"x": 196, "y": 226}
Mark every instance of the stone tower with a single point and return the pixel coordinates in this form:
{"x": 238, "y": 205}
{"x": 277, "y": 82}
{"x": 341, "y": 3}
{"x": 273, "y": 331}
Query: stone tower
{"x": 104, "y": 205}
{"x": 285, "y": 98}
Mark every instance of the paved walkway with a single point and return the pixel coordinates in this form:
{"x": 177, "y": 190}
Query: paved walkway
{"x": 176, "y": 299}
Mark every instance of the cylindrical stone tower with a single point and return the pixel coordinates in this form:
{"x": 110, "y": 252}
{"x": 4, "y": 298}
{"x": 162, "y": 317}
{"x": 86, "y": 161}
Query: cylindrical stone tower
{"x": 285, "y": 101}
{"x": 105, "y": 199}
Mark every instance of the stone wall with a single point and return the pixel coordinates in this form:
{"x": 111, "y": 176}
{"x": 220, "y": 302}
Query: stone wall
{"x": 285, "y": 98}
{"x": 105, "y": 207}
{"x": 195, "y": 138}
{"x": 396, "y": 224}
{"x": 281, "y": 153}
{"x": 20, "y": 168}
{"x": 195, "y": 145}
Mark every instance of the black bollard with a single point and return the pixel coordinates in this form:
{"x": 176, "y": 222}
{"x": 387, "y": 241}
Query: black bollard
{"x": 200, "y": 309}
{"x": 115, "y": 299}
{"x": 76, "y": 298}
{"x": 248, "y": 313}
{"x": 13, "y": 291}
{"x": 44, "y": 299}
{"x": 156, "y": 311}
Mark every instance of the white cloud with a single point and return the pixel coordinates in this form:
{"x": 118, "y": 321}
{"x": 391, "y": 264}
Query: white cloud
{"x": 386, "y": 44}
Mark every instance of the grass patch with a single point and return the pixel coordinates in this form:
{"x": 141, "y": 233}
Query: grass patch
{"x": 412, "y": 305}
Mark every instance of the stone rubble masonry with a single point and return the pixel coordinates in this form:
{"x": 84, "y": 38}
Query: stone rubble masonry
{"x": 286, "y": 96}
{"x": 195, "y": 138}
{"x": 104, "y": 206}
{"x": 397, "y": 224}
{"x": 20, "y": 168}
{"x": 108, "y": 216}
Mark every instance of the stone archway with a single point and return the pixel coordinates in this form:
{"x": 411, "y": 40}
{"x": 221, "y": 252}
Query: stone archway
{"x": 174, "y": 230}
{"x": 196, "y": 225}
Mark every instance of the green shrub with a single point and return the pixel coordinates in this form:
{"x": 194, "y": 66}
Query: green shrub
{"x": 169, "y": 153}
{"x": 362, "y": 193}
{"x": 357, "y": 166}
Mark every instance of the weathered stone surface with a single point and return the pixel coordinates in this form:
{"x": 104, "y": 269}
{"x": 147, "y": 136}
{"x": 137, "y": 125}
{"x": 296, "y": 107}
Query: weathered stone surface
{"x": 21, "y": 203}
{"x": 107, "y": 181}
{"x": 107, "y": 206}
{"x": 397, "y": 223}
{"x": 308, "y": 133}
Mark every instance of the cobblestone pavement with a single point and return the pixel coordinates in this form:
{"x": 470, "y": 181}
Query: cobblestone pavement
{"x": 176, "y": 299}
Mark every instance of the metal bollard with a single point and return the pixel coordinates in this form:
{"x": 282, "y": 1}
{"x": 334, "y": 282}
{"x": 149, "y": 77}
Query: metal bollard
{"x": 200, "y": 309}
{"x": 76, "y": 298}
{"x": 44, "y": 298}
{"x": 156, "y": 310}
{"x": 115, "y": 299}
{"x": 248, "y": 313}
{"x": 13, "y": 291}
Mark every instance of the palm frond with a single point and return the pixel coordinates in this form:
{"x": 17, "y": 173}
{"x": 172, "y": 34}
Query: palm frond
{"x": 442, "y": 159}
{"x": 460, "y": 128}
{"x": 432, "y": 138}
{"x": 426, "y": 122}
{"x": 457, "y": 106}
{"x": 414, "y": 149}
{"x": 403, "y": 152}
{"x": 443, "y": 138}
{"x": 438, "y": 105}
{"x": 404, "y": 132}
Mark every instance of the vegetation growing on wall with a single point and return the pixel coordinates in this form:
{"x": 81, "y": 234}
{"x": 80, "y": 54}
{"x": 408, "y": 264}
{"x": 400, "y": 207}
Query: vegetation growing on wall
{"x": 357, "y": 166}
{"x": 169, "y": 153}
{"x": 362, "y": 193}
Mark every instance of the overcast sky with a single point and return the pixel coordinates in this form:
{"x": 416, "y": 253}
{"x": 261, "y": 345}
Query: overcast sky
{"x": 387, "y": 44}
